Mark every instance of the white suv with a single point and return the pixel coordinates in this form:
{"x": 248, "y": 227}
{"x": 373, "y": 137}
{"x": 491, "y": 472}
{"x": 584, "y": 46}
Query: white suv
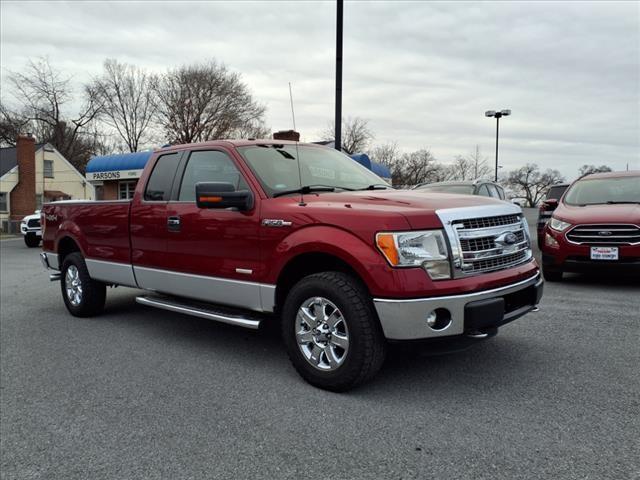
{"x": 30, "y": 228}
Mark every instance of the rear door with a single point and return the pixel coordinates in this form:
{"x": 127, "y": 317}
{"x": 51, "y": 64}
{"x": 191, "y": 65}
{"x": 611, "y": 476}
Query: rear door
{"x": 149, "y": 215}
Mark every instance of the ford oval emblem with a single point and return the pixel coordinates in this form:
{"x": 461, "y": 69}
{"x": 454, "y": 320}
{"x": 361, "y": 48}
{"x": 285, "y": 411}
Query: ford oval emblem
{"x": 510, "y": 238}
{"x": 604, "y": 233}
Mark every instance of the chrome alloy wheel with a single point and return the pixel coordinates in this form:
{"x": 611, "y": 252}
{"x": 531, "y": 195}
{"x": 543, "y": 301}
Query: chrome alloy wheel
{"x": 322, "y": 333}
{"x": 73, "y": 285}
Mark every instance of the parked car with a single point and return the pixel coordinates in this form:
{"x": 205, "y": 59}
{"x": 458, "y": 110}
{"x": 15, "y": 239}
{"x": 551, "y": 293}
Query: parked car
{"x": 224, "y": 230}
{"x": 595, "y": 227}
{"x": 546, "y": 208}
{"x": 30, "y": 229}
{"x": 477, "y": 187}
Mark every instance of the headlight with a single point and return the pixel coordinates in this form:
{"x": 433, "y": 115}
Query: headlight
{"x": 427, "y": 249}
{"x": 558, "y": 225}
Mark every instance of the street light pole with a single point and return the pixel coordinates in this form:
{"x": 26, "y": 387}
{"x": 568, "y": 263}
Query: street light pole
{"x": 497, "y": 115}
{"x": 338, "y": 119}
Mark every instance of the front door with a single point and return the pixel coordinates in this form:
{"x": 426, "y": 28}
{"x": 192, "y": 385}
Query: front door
{"x": 214, "y": 254}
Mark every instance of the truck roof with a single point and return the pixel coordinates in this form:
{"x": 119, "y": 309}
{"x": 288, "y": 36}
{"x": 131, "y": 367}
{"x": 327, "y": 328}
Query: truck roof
{"x": 240, "y": 143}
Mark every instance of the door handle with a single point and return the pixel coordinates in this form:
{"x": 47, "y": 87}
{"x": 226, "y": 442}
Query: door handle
{"x": 173, "y": 224}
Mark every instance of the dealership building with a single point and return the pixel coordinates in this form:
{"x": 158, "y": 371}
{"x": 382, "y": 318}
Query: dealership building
{"x": 115, "y": 176}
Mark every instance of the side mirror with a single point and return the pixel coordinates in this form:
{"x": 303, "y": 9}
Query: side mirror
{"x": 550, "y": 204}
{"x": 222, "y": 195}
{"x": 516, "y": 202}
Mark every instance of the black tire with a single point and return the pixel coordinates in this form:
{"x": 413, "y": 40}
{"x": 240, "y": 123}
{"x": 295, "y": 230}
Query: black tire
{"x": 93, "y": 294}
{"x": 31, "y": 240}
{"x": 367, "y": 346}
{"x": 551, "y": 273}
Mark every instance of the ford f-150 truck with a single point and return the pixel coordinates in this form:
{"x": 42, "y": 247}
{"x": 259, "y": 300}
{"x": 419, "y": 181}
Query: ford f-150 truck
{"x": 246, "y": 232}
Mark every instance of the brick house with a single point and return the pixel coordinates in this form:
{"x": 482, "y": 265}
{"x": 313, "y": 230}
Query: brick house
{"x": 31, "y": 174}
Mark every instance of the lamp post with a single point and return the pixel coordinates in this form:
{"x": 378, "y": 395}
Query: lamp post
{"x": 498, "y": 115}
{"x": 338, "y": 118}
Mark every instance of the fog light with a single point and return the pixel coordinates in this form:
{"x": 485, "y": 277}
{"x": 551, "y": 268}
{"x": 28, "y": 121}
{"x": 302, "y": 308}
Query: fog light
{"x": 549, "y": 241}
{"x": 437, "y": 269}
{"x": 439, "y": 319}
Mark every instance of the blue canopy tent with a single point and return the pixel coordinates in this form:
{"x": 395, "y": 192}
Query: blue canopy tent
{"x": 118, "y": 162}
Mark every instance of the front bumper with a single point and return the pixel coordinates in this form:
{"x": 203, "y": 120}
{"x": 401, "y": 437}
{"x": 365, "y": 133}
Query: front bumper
{"x": 469, "y": 313}
{"x": 33, "y": 231}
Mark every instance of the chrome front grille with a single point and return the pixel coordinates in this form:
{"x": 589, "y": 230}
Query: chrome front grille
{"x": 496, "y": 239}
{"x": 486, "y": 222}
{"x": 607, "y": 234}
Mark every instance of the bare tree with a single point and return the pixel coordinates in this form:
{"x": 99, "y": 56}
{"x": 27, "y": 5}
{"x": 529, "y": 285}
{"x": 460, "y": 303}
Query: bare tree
{"x": 126, "y": 94}
{"x": 255, "y": 129}
{"x": 43, "y": 96}
{"x": 204, "y": 102}
{"x": 532, "y": 184}
{"x": 469, "y": 167}
{"x": 589, "y": 169}
{"x": 356, "y": 134}
{"x": 12, "y": 124}
{"x": 419, "y": 167}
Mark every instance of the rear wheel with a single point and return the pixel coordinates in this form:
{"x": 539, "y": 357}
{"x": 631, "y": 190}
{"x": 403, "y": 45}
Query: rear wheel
{"x": 331, "y": 332}
{"x": 83, "y": 296}
{"x": 31, "y": 240}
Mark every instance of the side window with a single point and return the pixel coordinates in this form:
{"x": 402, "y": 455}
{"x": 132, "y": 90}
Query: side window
{"x": 493, "y": 191}
{"x": 501, "y": 193}
{"x": 209, "y": 166}
{"x": 483, "y": 190}
{"x": 159, "y": 184}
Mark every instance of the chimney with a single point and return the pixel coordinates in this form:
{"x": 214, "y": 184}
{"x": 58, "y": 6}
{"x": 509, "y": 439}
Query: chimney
{"x": 23, "y": 196}
{"x": 287, "y": 135}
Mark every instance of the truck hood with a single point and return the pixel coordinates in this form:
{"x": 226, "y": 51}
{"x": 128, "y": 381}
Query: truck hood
{"x": 617, "y": 213}
{"x": 418, "y": 208}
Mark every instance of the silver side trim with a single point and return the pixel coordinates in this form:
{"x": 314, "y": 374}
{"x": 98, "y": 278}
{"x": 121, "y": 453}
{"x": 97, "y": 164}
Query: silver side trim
{"x": 406, "y": 319}
{"x": 237, "y": 293}
{"x": 197, "y": 312}
{"x": 111, "y": 272}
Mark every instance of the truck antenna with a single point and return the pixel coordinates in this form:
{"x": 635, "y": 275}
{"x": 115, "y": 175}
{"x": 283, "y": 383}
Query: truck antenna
{"x": 293, "y": 116}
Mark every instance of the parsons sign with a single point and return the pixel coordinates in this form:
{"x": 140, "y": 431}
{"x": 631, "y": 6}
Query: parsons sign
{"x": 114, "y": 175}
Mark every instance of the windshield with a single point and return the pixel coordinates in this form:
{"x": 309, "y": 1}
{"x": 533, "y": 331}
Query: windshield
{"x": 556, "y": 192}
{"x": 467, "y": 189}
{"x": 604, "y": 190}
{"x": 277, "y": 169}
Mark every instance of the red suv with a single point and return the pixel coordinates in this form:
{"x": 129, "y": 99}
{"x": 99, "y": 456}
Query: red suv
{"x": 596, "y": 227}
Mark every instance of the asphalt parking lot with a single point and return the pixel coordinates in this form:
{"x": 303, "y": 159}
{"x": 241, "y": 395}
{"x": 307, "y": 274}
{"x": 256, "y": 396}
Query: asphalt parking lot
{"x": 143, "y": 394}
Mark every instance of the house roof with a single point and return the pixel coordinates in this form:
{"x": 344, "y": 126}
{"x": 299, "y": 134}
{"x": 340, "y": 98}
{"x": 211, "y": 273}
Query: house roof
{"x": 9, "y": 158}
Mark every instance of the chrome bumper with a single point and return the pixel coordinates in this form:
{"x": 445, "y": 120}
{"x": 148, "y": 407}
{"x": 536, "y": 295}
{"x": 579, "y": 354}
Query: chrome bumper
{"x": 407, "y": 319}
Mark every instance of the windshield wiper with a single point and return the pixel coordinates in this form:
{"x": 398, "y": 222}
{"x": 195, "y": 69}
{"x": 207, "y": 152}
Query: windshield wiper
{"x": 376, "y": 186}
{"x": 310, "y": 189}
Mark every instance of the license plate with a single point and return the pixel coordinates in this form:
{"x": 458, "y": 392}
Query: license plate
{"x": 604, "y": 253}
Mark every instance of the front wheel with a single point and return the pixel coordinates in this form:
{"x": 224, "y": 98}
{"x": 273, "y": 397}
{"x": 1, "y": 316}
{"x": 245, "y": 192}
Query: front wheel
{"x": 331, "y": 331}
{"x": 31, "y": 240}
{"x": 83, "y": 296}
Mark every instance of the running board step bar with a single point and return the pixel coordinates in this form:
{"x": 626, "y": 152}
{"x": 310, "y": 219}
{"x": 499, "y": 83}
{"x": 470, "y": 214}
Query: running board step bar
{"x": 210, "y": 312}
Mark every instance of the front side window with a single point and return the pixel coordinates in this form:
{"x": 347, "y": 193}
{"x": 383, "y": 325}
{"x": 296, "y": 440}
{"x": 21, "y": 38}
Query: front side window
{"x": 126, "y": 189}
{"x": 209, "y": 166}
{"x": 604, "y": 190}
{"x": 3, "y": 202}
{"x": 48, "y": 168}
{"x": 161, "y": 180}
{"x": 276, "y": 167}
{"x": 493, "y": 191}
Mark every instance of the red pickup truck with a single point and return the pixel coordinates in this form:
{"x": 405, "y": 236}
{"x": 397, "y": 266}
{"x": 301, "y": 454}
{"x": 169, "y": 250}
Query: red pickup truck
{"x": 246, "y": 232}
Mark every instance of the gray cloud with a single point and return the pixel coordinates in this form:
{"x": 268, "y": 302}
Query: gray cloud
{"x": 423, "y": 72}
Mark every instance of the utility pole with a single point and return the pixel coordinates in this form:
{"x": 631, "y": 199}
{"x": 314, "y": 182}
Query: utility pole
{"x": 338, "y": 118}
{"x": 497, "y": 115}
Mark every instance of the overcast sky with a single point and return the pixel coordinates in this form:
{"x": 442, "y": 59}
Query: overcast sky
{"x": 423, "y": 73}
